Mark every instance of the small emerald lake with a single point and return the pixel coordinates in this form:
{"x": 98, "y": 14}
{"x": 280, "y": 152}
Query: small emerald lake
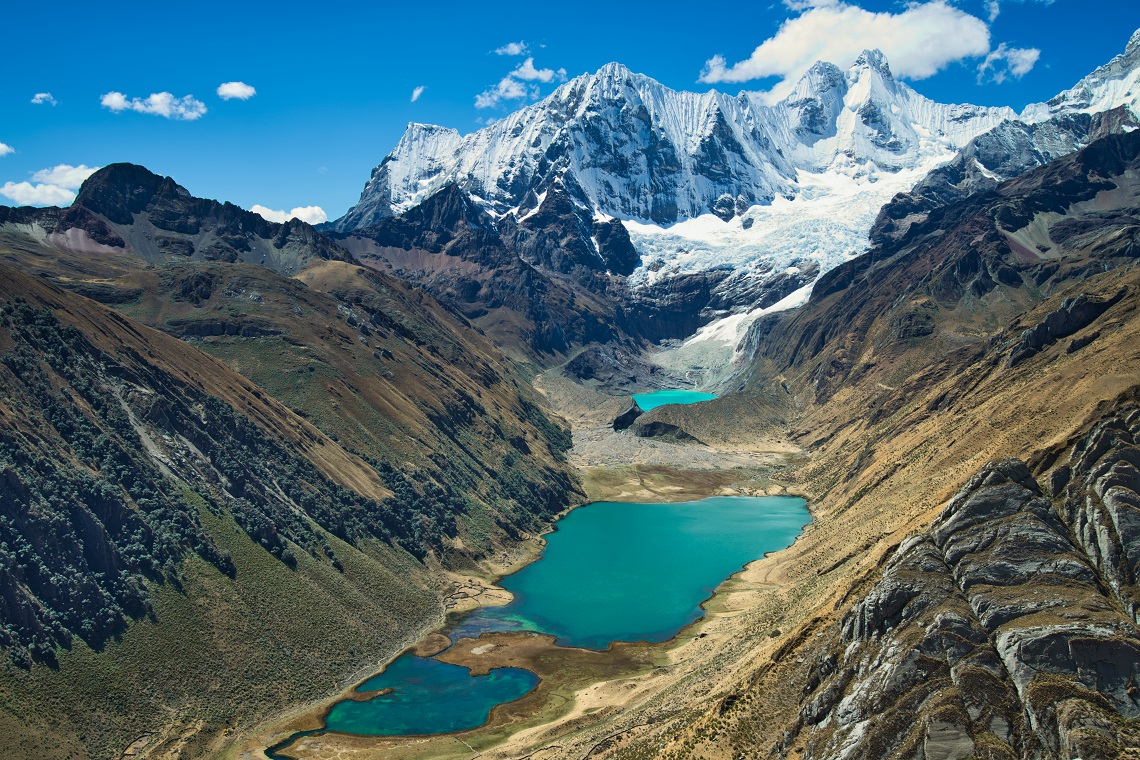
{"x": 428, "y": 697}
{"x": 649, "y": 401}
{"x": 611, "y": 571}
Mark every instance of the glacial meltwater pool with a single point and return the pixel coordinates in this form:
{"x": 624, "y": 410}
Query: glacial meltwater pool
{"x": 611, "y": 571}
{"x": 649, "y": 401}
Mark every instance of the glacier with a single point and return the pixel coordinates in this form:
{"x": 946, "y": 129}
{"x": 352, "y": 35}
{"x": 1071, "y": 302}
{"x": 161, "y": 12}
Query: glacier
{"x": 708, "y": 181}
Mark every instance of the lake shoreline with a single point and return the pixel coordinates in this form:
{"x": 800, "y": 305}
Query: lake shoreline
{"x": 531, "y": 651}
{"x": 673, "y": 475}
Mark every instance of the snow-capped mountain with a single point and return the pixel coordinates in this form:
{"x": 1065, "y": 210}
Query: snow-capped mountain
{"x": 641, "y": 151}
{"x": 1117, "y": 83}
{"x": 1104, "y": 102}
{"x": 755, "y": 200}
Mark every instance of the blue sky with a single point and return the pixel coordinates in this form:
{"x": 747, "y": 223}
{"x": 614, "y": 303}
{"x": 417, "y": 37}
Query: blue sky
{"x": 334, "y": 81}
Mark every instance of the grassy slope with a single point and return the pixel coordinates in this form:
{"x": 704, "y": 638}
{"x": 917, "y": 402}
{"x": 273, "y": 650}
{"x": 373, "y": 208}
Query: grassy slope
{"x": 224, "y": 654}
{"x": 220, "y": 654}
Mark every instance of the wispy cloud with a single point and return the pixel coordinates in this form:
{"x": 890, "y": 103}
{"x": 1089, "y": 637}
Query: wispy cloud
{"x": 513, "y": 87}
{"x": 55, "y": 186}
{"x": 417, "y": 92}
{"x": 919, "y": 42}
{"x": 508, "y": 88}
{"x": 6, "y": 149}
{"x": 310, "y": 214}
{"x": 513, "y": 48}
{"x": 235, "y": 91}
{"x": 993, "y": 7}
{"x": 1004, "y": 62}
{"x": 40, "y": 98}
{"x": 186, "y": 108}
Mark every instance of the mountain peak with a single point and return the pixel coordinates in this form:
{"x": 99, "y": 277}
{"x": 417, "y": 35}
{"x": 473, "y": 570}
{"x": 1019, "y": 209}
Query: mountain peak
{"x": 685, "y": 149}
{"x": 874, "y": 60}
{"x": 416, "y": 127}
{"x": 119, "y": 190}
{"x": 614, "y": 70}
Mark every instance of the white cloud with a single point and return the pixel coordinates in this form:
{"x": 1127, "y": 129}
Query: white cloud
{"x": 186, "y": 108}
{"x": 6, "y": 149}
{"x": 417, "y": 92}
{"x": 65, "y": 175}
{"x": 49, "y": 187}
{"x": 1005, "y": 62}
{"x": 528, "y": 73}
{"x": 310, "y": 214}
{"x": 513, "y": 48}
{"x": 27, "y": 194}
{"x": 235, "y": 91}
{"x": 918, "y": 42}
{"x": 803, "y": 5}
{"x": 44, "y": 97}
{"x": 511, "y": 86}
{"x": 508, "y": 88}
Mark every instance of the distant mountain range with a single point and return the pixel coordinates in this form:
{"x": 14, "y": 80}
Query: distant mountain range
{"x": 736, "y": 202}
{"x": 637, "y": 150}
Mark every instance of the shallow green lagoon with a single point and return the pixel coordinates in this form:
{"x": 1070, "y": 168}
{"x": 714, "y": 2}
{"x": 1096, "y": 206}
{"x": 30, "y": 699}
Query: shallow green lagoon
{"x": 649, "y": 401}
{"x": 616, "y": 571}
{"x": 428, "y": 697}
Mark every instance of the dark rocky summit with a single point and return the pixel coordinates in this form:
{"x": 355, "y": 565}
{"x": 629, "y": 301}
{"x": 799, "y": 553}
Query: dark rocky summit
{"x": 552, "y": 280}
{"x": 126, "y": 206}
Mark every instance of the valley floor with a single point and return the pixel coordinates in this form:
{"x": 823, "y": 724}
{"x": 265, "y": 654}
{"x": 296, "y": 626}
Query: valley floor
{"x": 582, "y": 689}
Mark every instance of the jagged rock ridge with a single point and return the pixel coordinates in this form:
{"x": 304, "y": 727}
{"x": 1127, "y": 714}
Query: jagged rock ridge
{"x": 639, "y": 150}
{"x": 995, "y": 633}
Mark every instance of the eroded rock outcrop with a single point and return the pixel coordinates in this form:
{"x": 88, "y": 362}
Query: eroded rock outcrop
{"x": 1008, "y": 630}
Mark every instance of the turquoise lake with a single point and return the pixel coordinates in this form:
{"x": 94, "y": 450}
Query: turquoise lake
{"x": 649, "y": 401}
{"x": 611, "y": 571}
{"x": 615, "y": 571}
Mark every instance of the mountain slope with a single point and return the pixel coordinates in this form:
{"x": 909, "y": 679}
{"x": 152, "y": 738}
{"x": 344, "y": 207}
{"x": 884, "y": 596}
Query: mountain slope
{"x": 153, "y": 493}
{"x": 1006, "y": 627}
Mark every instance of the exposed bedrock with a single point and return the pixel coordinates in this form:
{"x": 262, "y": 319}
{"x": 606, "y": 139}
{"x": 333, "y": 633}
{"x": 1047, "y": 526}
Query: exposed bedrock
{"x": 1008, "y": 630}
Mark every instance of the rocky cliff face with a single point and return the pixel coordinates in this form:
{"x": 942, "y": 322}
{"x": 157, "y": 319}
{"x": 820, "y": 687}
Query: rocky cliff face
{"x": 983, "y": 258}
{"x": 1006, "y": 630}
